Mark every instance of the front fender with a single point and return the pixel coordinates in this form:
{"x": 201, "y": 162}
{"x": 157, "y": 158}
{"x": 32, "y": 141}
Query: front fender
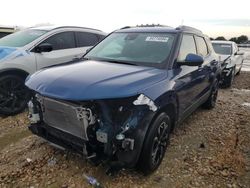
{"x": 145, "y": 117}
{"x": 138, "y": 133}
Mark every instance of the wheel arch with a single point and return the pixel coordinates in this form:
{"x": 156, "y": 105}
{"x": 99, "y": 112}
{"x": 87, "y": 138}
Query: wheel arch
{"x": 13, "y": 71}
{"x": 169, "y": 104}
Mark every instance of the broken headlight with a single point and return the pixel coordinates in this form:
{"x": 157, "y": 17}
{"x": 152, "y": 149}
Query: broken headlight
{"x": 144, "y": 100}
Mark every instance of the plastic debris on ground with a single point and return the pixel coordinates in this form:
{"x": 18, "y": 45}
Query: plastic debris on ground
{"x": 93, "y": 181}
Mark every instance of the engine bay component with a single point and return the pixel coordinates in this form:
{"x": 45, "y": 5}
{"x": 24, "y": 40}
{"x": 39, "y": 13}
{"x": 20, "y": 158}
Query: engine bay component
{"x": 67, "y": 117}
{"x": 102, "y": 136}
{"x": 34, "y": 115}
{"x": 128, "y": 144}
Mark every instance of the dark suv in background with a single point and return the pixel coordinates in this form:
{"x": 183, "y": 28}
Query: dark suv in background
{"x": 122, "y": 101}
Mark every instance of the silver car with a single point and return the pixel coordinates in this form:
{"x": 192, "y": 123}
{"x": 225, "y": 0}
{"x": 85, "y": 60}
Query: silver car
{"x": 27, "y": 51}
{"x": 231, "y": 60}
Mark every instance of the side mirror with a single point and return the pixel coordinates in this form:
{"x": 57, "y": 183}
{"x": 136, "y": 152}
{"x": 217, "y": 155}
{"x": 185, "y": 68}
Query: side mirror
{"x": 45, "y": 47}
{"x": 192, "y": 60}
{"x": 239, "y": 53}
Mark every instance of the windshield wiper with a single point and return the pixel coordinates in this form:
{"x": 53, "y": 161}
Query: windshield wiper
{"x": 121, "y": 62}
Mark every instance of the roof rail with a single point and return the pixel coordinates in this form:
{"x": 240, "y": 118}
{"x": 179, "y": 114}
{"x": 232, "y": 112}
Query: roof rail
{"x": 152, "y": 25}
{"x": 60, "y": 27}
{"x": 126, "y": 27}
{"x": 76, "y": 27}
{"x": 188, "y": 28}
{"x": 146, "y": 25}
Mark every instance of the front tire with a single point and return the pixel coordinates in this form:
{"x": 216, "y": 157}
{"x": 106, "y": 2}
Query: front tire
{"x": 229, "y": 80}
{"x": 155, "y": 144}
{"x": 14, "y": 95}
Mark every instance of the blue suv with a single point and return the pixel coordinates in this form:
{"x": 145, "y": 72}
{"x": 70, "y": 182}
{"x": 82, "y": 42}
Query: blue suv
{"x": 121, "y": 102}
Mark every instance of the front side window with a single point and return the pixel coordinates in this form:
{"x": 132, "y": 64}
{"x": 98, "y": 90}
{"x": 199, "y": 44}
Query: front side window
{"x": 21, "y": 38}
{"x": 201, "y": 46}
{"x": 223, "y": 49}
{"x": 86, "y": 39}
{"x": 187, "y": 47}
{"x": 149, "y": 49}
{"x": 61, "y": 41}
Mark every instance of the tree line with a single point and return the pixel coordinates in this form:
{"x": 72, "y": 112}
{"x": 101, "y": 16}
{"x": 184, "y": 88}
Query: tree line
{"x": 239, "y": 40}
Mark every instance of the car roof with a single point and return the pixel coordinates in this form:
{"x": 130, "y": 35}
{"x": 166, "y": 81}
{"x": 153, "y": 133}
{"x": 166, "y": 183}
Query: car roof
{"x": 222, "y": 42}
{"x": 159, "y": 29}
{"x": 53, "y": 27}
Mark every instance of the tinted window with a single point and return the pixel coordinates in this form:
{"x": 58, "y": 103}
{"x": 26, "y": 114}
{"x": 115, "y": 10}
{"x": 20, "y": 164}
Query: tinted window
{"x": 187, "y": 47}
{"x": 3, "y": 34}
{"x": 86, "y": 39}
{"x": 201, "y": 46}
{"x": 61, "y": 41}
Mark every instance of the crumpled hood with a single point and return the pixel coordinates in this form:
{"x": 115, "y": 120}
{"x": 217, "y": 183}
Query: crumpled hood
{"x": 223, "y": 57}
{"x": 90, "y": 80}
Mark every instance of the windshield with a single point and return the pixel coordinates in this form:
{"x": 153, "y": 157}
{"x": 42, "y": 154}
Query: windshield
{"x": 21, "y": 38}
{"x": 149, "y": 49}
{"x": 224, "y": 49}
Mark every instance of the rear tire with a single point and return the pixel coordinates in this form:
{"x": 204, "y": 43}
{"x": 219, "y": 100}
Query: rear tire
{"x": 211, "y": 101}
{"x": 14, "y": 95}
{"x": 155, "y": 144}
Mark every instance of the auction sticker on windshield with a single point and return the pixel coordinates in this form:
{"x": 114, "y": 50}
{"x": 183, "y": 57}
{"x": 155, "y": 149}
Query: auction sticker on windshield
{"x": 157, "y": 39}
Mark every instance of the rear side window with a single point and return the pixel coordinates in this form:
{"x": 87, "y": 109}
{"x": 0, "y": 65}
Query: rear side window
{"x": 187, "y": 47}
{"x": 201, "y": 46}
{"x": 209, "y": 45}
{"x": 86, "y": 39}
{"x": 62, "y": 41}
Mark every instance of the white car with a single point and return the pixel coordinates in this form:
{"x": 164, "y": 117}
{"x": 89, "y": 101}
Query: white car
{"x": 231, "y": 59}
{"x": 27, "y": 51}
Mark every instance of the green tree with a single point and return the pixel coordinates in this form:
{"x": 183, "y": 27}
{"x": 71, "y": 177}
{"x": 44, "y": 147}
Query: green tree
{"x": 241, "y": 39}
{"x": 234, "y": 39}
{"x": 220, "y": 38}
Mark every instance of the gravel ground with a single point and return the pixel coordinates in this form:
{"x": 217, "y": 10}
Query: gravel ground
{"x": 211, "y": 149}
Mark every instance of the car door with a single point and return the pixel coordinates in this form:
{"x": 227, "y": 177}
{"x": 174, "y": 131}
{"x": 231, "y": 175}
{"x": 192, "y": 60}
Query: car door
{"x": 64, "y": 50}
{"x": 187, "y": 79}
{"x": 205, "y": 70}
{"x": 238, "y": 59}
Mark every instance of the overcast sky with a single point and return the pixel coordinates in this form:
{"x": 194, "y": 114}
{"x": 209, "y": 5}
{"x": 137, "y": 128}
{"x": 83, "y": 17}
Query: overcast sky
{"x": 213, "y": 17}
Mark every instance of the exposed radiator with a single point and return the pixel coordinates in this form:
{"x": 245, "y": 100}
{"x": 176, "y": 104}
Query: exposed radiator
{"x": 67, "y": 117}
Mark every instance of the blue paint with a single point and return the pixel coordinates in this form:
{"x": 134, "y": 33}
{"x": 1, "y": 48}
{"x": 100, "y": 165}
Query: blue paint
{"x": 19, "y": 54}
{"x": 95, "y": 80}
{"x": 5, "y": 51}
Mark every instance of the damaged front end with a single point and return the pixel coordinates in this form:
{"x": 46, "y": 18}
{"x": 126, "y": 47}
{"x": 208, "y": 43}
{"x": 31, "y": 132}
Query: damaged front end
{"x": 110, "y": 130}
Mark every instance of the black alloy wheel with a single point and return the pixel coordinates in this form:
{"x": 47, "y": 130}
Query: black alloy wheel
{"x": 14, "y": 95}
{"x": 160, "y": 143}
{"x": 155, "y": 144}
